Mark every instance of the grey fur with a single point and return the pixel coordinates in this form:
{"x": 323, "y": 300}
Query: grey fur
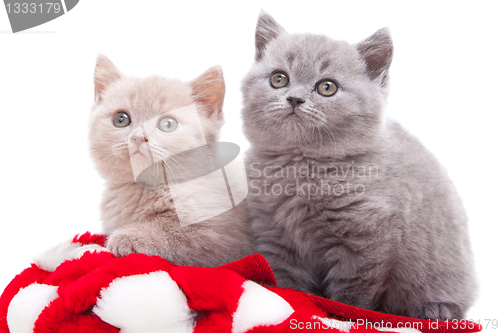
{"x": 366, "y": 215}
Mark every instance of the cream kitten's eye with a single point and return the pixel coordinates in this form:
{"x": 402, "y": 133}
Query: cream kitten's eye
{"x": 121, "y": 119}
{"x": 326, "y": 88}
{"x": 279, "y": 80}
{"x": 167, "y": 124}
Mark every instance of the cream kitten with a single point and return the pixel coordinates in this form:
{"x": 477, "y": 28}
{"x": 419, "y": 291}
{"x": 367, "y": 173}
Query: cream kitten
{"x": 140, "y": 124}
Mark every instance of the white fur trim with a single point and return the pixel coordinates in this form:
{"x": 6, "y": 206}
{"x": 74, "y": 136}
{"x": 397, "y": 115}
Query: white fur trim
{"x": 53, "y": 257}
{"x": 27, "y": 305}
{"x": 345, "y": 326}
{"x": 399, "y": 330}
{"x": 259, "y": 307}
{"x": 145, "y": 303}
{"x": 88, "y": 248}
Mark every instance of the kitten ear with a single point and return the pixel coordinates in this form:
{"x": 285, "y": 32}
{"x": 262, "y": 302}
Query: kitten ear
{"x": 104, "y": 74}
{"x": 209, "y": 90}
{"x": 267, "y": 30}
{"x": 376, "y": 51}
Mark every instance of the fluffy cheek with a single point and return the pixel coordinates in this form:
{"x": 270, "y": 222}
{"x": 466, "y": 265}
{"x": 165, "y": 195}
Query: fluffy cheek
{"x": 338, "y": 110}
{"x": 355, "y": 116}
{"x": 261, "y": 104}
{"x": 109, "y": 150}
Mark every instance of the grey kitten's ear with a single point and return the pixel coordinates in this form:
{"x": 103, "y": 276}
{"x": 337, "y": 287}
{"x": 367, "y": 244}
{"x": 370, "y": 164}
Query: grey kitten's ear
{"x": 209, "y": 89}
{"x": 267, "y": 30}
{"x": 376, "y": 51}
{"x": 105, "y": 73}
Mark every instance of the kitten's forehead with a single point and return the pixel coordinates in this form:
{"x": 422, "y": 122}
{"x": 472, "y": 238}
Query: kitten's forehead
{"x": 150, "y": 97}
{"x": 306, "y": 54}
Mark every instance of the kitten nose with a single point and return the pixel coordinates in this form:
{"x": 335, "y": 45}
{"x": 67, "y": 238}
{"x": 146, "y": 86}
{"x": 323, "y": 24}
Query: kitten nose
{"x": 294, "y": 101}
{"x": 138, "y": 138}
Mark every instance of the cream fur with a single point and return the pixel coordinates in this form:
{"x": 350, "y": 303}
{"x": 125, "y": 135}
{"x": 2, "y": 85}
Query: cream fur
{"x": 145, "y": 220}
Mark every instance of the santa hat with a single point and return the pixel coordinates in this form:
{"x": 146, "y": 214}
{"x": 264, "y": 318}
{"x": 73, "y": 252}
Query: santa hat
{"x": 78, "y": 286}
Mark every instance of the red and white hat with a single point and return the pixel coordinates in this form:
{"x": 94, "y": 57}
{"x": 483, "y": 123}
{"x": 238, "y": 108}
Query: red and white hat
{"x": 80, "y": 287}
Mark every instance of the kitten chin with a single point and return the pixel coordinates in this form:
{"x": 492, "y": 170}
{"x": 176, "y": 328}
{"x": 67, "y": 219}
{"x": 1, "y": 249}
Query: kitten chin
{"x": 139, "y": 129}
{"x": 344, "y": 203}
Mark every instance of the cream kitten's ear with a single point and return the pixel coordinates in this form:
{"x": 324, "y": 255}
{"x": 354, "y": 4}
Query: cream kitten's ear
{"x": 105, "y": 73}
{"x": 209, "y": 90}
{"x": 267, "y": 30}
{"x": 376, "y": 52}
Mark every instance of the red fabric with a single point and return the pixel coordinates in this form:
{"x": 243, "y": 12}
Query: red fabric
{"x": 255, "y": 268}
{"x": 362, "y": 316}
{"x": 301, "y": 319}
{"x": 213, "y": 293}
{"x": 27, "y": 277}
{"x": 88, "y": 238}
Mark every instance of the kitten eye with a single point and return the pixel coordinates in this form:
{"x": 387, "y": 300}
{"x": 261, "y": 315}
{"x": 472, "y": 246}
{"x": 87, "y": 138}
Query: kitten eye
{"x": 167, "y": 124}
{"x": 279, "y": 80}
{"x": 326, "y": 88}
{"x": 121, "y": 119}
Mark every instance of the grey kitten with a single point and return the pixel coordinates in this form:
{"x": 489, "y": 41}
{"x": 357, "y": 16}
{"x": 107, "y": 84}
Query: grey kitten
{"x": 345, "y": 203}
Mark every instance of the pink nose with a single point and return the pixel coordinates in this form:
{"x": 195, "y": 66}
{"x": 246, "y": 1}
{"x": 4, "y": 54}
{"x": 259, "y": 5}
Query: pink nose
{"x": 138, "y": 139}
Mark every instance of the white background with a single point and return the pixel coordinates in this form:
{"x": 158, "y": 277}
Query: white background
{"x": 445, "y": 90}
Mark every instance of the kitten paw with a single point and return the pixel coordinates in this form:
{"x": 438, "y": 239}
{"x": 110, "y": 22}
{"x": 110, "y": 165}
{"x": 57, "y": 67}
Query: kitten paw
{"x": 122, "y": 244}
{"x": 442, "y": 311}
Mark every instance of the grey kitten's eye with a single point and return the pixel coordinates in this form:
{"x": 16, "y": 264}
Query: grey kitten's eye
{"x": 121, "y": 119}
{"x": 279, "y": 80}
{"x": 167, "y": 124}
{"x": 326, "y": 88}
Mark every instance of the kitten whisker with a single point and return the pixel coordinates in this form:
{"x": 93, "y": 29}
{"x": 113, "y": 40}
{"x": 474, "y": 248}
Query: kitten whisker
{"x": 171, "y": 168}
{"x": 111, "y": 159}
{"x": 113, "y": 170}
{"x": 314, "y": 114}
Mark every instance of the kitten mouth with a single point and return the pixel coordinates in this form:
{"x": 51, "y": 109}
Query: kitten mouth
{"x": 293, "y": 115}
{"x": 138, "y": 153}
